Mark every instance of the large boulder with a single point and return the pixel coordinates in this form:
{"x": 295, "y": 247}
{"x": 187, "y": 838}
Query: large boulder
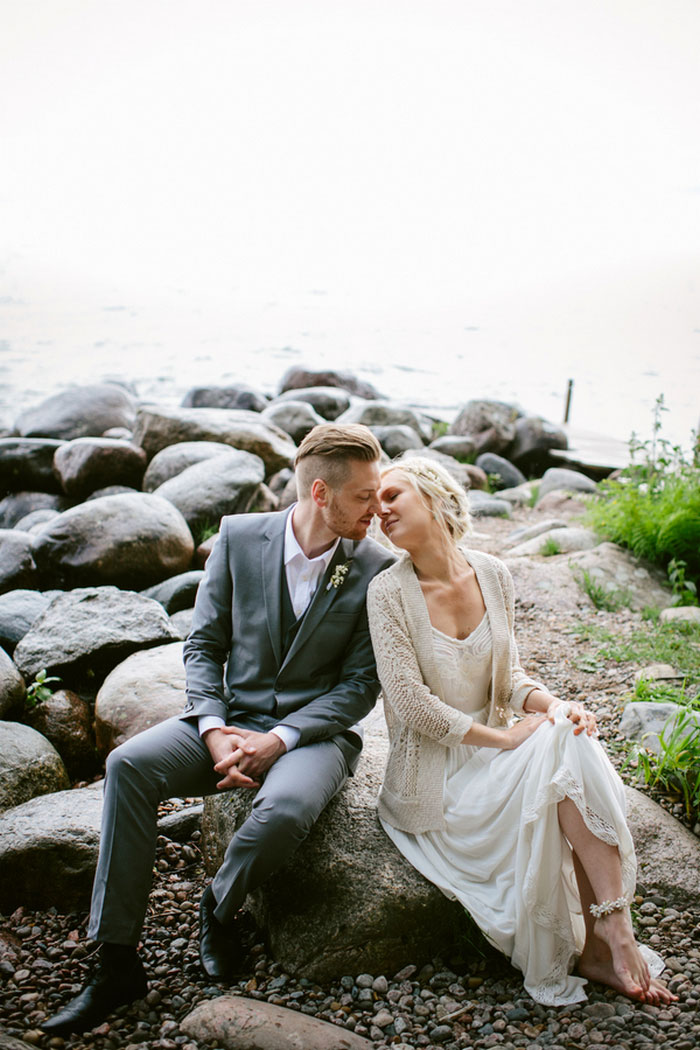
{"x": 566, "y": 539}
{"x": 644, "y": 721}
{"x": 329, "y": 401}
{"x": 12, "y": 687}
{"x": 29, "y": 765}
{"x": 397, "y": 438}
{"x": 17, "y": 564}
{"x": 238, "y": 395}
{"x": 484, "y": 505}
{"x": 296, "y": 418}
{"x": 65, "y": 719}
{"x": 48, "y": 850}
{"x": 79, "y": 411}
{"x": 461, "y": 447}
{"x": 236, "y": 1023}
{"x": 621, "y": 575}
{"x": 300, "y": 378}
{"x": 461, "y": 472}
{"x": 377, "y": 911}
{"x": 534, "y": 437}
{"x": 131, "y": 540}
{"x": 491, "y": 424}
{"x": 668, "y": 855}
{"x": 27, "y": 463}
{"x": 145, "y": 689}
{"x": 529, "y": 532}
{"x": 388, "y": 414}
{"x": 158, "y": 427}
{"x": 171, "y": 461}
{"x": 86, "y": 464}
{"x": 86, "y": 632}
{"x": 226, "y": 484}
{"x": 19, "y": 609}
{"x": 17, "y": 506}
{"x": 179, "y": 592}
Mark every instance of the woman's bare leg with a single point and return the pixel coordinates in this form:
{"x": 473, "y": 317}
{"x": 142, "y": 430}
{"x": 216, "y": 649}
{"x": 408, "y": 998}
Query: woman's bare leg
{"x": 610, "y": 954}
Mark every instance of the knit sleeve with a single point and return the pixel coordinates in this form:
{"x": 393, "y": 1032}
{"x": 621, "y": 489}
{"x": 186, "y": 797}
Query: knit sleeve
{"x": 400, "y": 675}
{"x": 521, "y": 683}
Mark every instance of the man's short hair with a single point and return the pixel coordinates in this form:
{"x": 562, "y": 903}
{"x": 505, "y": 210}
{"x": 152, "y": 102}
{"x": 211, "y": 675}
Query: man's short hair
{"x": 327, "y": 451}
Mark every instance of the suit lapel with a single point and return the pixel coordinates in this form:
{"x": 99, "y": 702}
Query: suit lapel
{"x": 271, "y": 569}
{"x": 322, "y": 599}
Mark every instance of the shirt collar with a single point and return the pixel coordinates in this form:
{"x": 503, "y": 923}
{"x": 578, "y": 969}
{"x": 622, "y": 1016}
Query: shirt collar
{"x": 292, "y": 547}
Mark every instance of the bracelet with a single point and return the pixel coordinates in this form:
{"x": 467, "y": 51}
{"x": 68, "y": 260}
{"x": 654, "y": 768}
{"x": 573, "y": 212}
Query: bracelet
{"x": 608, "y": 907}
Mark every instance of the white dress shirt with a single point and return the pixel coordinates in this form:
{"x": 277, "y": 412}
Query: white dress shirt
{"x": 303, "y": 577}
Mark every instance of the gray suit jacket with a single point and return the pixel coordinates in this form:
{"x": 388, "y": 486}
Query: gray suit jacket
{"x": 234, "y": 657}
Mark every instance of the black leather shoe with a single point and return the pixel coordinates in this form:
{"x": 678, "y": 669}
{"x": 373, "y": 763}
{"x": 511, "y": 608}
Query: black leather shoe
{"x": 219, "y": 945}
{"x": 108, "y": 988}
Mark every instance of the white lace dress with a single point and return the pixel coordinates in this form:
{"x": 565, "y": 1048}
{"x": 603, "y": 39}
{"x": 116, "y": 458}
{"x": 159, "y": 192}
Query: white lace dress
{"x": 502, "y": 854}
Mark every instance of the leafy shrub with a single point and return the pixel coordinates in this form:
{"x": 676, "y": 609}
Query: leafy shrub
{"x": 676, "y": 769}
{"x": 39, "y": 690}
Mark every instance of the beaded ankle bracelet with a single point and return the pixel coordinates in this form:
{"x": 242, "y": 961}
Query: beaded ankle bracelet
{"x": 608, "y": 907}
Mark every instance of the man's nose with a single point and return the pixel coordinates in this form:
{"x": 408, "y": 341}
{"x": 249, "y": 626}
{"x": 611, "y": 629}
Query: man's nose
{"x": 375, "y": 505}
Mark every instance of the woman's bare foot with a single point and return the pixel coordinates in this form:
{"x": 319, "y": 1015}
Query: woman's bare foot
{"x": 615, "y": 960}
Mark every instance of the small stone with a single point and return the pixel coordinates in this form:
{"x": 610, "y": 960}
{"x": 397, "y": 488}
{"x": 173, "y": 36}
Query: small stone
{"x": 383, "y": 1019}
{"x": 441, "y": 1033}
{"x": 380, "y": 985}
{"x": 364, "y": 980}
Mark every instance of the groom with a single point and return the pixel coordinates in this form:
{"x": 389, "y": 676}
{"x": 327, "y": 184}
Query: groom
{"x": 279, "y": 669}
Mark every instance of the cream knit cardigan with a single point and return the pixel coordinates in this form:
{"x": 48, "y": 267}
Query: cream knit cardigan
{"x": 421, "y": 726}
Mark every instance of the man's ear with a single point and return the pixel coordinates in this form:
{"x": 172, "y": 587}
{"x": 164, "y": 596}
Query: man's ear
{"x": 320, "y": 492}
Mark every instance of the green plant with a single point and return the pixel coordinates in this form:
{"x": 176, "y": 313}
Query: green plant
{"x": 610, "y": 599}
{"x": 440, "y": 428}
{"x": 651, "y": 690}
{"x": 39, "y": 690}
{"x": 534, "y": 493}
{"x": 205, "y": 531}
{"x": 676, "y": 768}
{"x": 653, "y": 508}
{"x": 676, "y": 643}
{"x": 550, "y": 547}
{"x": 685, "y": 592}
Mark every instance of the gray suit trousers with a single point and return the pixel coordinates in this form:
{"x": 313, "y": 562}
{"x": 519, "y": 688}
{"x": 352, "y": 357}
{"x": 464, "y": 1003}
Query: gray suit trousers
{"x": 169, "y": 760}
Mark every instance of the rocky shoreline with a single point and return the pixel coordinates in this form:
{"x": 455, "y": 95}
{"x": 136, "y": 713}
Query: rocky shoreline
{"x": 462, "y": 997}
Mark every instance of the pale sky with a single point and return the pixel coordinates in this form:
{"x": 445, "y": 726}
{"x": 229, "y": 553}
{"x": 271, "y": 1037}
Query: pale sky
{"x": 529, "y": 168}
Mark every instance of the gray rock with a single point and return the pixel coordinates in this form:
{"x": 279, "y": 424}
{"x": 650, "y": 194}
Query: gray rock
{"x": 180, "y": 825}
{"x": 278, "y": 482}
{"x": 561, "y": 478}
{"x": 172, "y": 460}
{"x": 547, "y": 585}
{"x": 397, "y": 439}
{"x": 622, "y": 575}
{"x": 238, "y": 395}
{"x": 179, "y": 592}
{"x": 657, "y": 673}
{"x": 567, "y": 540}
{"x": 559, "y": 503}
{"x": 296, "y": 418}
{"x": 112, "y": 490}
{"x": 529, "y": 532}
{"x": 301, "y": 378}
{"x": 501, "y": 472}
{"x": 65, "y": 719}
{"x": 461, "y": 472}
{"x": 90, "y": 463}
{"x": 35, "y": 521}
{"x": 533, "y": 439}
{"x": 377, "y": 912}
{"x": 86, "y": 632}
{"x": 289, "y": 494}
{"x": 226, "y": 484}
{"x": 27, "y": 463}
{"x": 482, "y": 505}
{"x": 144, "y": 689}
{"x": 181, "y": 623}
{"x": 329, "y": 401}
{"x": 491, "y": 424}
{"x": 15, "y": 507}
{"x": 19, "y": 609}
{"x": 79, "y": 411}
{"x": 8, "y": 1042}
{"x": 48, "y": 850}
{"x": 460, "y": 447}
{"x": 265, "y": 500}
{"x": 127, "y": 540}
{"x": 158, "y": 427}
{"x": 388, "y": 413}
{"x": 668, "y": 855}
{"x": 236, "y": 1023}
{"x": 645, "y": 721}
{"x": 520, "y": 496}
{"x": 12, "y": 687}
{"x": 29, "y": 765}
{"x": 681, "y": 614}
{"x": 17, "y": 565}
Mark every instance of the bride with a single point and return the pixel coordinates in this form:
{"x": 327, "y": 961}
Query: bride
{"x": 522, "y": 821}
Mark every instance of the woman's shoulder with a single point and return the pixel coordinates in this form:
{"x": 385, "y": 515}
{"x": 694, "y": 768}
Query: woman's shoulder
{"x": 390, "y": 579}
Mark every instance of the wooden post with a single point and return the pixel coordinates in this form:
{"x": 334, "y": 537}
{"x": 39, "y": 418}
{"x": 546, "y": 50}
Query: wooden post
{"x": 569, "y": 391}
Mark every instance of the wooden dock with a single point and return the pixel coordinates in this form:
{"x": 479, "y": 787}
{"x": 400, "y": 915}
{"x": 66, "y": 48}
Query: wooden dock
{"x": 594, "y": 454}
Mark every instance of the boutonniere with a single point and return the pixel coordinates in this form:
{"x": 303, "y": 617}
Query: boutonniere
{"x": 339, "y": 573}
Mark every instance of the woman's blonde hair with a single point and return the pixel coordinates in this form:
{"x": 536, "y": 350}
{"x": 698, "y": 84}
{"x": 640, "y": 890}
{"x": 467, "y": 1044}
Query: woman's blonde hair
{"x": 443, "y": 496}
